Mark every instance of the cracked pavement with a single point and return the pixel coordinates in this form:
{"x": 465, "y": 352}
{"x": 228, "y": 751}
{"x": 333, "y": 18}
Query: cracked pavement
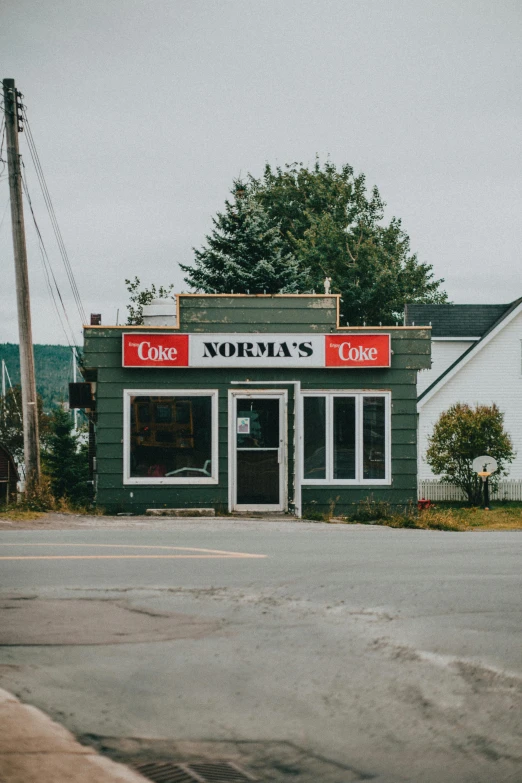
{"x": 394, "y": 654}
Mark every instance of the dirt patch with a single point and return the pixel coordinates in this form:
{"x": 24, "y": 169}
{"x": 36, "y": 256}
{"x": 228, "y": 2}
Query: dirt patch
{"x": 82, "y": 622}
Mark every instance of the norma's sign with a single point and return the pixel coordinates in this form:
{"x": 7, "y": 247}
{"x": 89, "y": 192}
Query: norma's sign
{"x": 256, "y": 350}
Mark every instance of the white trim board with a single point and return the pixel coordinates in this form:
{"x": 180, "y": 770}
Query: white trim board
{"x": 472, "y": 352}
{"x": 359, "y": 396}
{"x": 282, "y": 396}
{"x": 454, "y": 339}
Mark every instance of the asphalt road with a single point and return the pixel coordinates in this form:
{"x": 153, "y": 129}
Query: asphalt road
{"x": 396, "y": 654}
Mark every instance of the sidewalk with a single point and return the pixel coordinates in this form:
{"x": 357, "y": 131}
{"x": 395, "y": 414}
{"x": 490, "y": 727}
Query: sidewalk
{"x": 34, "y": 749}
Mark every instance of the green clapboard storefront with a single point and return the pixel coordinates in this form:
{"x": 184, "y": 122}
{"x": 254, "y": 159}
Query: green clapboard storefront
{"x": 254, "y": 403}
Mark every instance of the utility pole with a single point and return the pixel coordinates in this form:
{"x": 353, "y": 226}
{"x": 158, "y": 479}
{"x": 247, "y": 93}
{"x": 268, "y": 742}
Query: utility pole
{"x": 29, "y": 399}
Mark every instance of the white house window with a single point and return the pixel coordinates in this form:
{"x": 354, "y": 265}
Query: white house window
{"x": 346, "y": 438}
{"x": 170, "y": 437}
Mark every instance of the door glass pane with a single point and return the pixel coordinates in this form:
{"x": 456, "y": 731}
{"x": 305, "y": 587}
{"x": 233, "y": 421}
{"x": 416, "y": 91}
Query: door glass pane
{"x": 257, "y": 477}
{"x": 374, "y": 428}
{"x": 314, "y": 438}
{"x": 344, "y": 437}
{"x": 257, "y": 424}
{"x": 171, "y": 436}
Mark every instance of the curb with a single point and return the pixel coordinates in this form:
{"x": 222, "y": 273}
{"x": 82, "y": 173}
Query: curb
{"x": 35, "y": 749}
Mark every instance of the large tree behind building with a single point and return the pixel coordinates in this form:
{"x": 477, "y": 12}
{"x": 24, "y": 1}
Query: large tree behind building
{"x": 315, "y": 222}
{"x": 463, "y": 433}
{"x": 336, "y": 228}
{"x": 246, "y": 252}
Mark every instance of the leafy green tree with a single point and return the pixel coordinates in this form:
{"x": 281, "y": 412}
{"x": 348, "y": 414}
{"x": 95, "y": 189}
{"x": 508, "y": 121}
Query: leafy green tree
{"x": 11, "y": 427}
{"x": 246, "y": 252}
{"x": 139, "y": 297}
{"x": 336, "y": 229}
{"x": 66, "y": 461}
{"x": 463, "y": 433}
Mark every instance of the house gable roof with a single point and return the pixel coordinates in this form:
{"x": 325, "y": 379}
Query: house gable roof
{"x": 449, "y": 320}
{"x": 512, "y": 310}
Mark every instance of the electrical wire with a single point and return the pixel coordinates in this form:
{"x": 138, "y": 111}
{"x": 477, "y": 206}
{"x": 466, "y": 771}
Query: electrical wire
{"x": 54, "y": 222}
{"x": 2, "y": 139}
{"x": 49, "y": 272}
{"x": 58, "y": 234}
{"x": 11, "y": 387}
{"x": 50, "y": 277}
{"x": 5, "y": 213}
{"x": 19, "y": 412}
{"x": 52, "y": 215}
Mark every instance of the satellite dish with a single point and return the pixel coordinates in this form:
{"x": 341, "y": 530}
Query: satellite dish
{"x": 485, "y": 464}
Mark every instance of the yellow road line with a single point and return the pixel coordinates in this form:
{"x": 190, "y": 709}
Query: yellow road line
{"x": 130, "y": 557}
{"x": 216, "y": 552}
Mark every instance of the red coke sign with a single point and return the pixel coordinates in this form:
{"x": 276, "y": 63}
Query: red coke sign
{"x": 358, "y": 350}
{"x": 155, "y": 350}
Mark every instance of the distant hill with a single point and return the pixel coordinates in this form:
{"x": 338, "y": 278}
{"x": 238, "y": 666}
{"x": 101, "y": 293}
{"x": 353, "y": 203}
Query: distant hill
{"x": 53, "y": 368}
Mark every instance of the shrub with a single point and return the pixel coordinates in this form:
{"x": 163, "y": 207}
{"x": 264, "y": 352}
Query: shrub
{"x": 463, "y": 433}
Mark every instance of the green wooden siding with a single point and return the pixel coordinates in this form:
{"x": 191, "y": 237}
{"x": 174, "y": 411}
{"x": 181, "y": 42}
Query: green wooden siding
{"x": 102, "y": 361}
{"x": 259, "y": 314}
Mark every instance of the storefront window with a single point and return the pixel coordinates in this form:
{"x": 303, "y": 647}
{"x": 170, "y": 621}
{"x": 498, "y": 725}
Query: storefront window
{"x": 170, "y": 437}
{"x": 314, "y": 438}
{"x": 346, "y": 438}
{"x": 374, "y": 438}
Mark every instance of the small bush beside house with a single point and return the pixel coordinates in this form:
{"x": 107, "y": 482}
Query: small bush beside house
{"x": 463, "y": 433}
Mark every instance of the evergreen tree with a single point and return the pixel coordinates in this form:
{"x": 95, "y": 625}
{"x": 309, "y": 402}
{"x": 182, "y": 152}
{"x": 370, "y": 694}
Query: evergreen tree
{"x": 245, "y": 253}
{"x": 65, "y": 462}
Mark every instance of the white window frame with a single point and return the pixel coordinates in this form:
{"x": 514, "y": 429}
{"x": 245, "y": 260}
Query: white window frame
{"x": 234, "y": 396}
{"x": 169, "y": 480}
{"x": 359, "y": 395}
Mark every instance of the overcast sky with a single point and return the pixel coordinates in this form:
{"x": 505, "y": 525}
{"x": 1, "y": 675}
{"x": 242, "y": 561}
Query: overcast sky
{"x": 144, "y": 111}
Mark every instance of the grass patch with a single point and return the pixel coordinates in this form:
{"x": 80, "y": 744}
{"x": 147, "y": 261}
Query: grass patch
{"x": 15, "y": 514}
{"x": 440, "y": 517}
{"x": 502, "y": 517}
{"x": 39, "y": 500}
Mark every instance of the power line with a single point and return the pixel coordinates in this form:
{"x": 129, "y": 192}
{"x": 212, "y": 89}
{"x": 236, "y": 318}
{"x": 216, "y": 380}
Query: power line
{"x": 11, "y": 387}
{"x": 49, "y": 272}
{"x": 54, "y": 221}
{"x": 5, "y": 213}
{"x": 2, "y": 139}
{"x": 19, "y": 412}
{"x": 48, "y": 269}
{"x": 52, "y": 215}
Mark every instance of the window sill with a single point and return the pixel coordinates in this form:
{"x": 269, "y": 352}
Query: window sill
{"x": 169, "y": 482}
{"x": 345, "y": 483}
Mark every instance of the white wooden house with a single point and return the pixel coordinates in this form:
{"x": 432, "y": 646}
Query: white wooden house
{"x": 476, "y": 359}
